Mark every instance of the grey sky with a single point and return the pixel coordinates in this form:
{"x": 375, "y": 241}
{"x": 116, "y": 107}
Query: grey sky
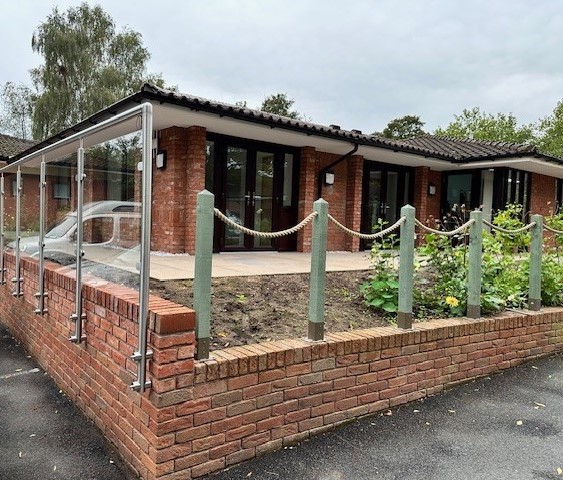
{"x": 357, "y": 64}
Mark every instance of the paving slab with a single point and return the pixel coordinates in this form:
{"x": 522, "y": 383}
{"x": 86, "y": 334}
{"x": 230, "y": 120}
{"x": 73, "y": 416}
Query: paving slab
{"x": 240, "y": 264}
{"x": 507, "y": 426}
{"x": 43, "y": 434}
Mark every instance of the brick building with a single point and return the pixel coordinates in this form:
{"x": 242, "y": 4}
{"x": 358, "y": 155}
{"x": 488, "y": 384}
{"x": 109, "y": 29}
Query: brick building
{"x": 266, "y": 171}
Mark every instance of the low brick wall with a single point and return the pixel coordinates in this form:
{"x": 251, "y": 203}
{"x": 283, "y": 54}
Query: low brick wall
{"x": 96, "y": 374}
{"x": 202, "y": 416}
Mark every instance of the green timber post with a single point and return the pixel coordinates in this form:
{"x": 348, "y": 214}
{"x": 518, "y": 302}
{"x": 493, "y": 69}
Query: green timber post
{"x": 534, "y": 294}
{"x": 317, "y": 280}
{"x": 202, "y": 272}
{"x": 475, "y": 260}
{"x": 406, "y": 268}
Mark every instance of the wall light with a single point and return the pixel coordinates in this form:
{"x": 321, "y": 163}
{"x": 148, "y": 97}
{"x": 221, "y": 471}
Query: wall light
{"x": 431, "y": 189}
{"x": 329, "y": 177}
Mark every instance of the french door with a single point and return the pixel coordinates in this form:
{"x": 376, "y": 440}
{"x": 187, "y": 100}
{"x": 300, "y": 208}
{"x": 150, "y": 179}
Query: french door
{"x": 254, "y": 186}
{"x": 385, "y": 191}
{"x": 249, "y": 196}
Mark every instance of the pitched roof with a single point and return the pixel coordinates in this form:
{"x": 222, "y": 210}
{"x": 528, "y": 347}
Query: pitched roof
{"x": 454, "y": 150}
{"x": 446, "y": 148}
{"x": 458, "y": 149}
{"x": 11, "y": 146}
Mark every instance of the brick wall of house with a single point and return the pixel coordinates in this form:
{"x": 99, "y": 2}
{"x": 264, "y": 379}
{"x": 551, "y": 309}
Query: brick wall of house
{"x": 195, "y": 182}
{"x": 201, "y": 416}
{"x": 307, "y": 194}
{"x": 420, "y": 198}
{"x": 542, "y": 194}
{"x": 433, "y": 202}
{"x": 354, "y": 200}
{"x": 169, "y": 193}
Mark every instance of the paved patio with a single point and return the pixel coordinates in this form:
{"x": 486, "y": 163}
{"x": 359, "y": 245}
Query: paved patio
{"x": 240, "y": 264}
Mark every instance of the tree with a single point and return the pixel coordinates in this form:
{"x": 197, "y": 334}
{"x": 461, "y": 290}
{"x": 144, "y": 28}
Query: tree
{"x": 279, "y": 104}
{"x": 484, "y": 126}
{"x": 17, "y": 109}
{"x": 87, "y": 66}
{"x": 550, "y": 138}
{"x": 408, "y": 126}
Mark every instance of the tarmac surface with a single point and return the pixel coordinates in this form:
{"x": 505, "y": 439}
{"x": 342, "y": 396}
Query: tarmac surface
{"x": 43, "y": 435}
{"x": 507, "y": 426}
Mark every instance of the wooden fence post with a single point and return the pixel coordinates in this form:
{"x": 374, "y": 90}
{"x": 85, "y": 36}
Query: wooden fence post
{"x": 406, "y": 268}
{"x": 318, "y": 271}
{"x": 534, "y": 293}
{"x": 475, "y": 270}
{"x": 202, "y": 271}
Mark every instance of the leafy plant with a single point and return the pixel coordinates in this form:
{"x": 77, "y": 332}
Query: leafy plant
{"x": 381, "y": 290}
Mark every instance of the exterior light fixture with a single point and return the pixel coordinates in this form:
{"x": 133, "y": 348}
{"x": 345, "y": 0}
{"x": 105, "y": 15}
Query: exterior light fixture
{"x": 329, "y": 177}
{"x": 431, "y": 189}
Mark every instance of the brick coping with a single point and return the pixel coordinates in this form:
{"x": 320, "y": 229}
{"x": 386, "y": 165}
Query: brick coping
{"x": 240, "y": 360}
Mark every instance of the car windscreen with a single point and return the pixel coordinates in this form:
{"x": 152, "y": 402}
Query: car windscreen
{"x": 62, "y": 228}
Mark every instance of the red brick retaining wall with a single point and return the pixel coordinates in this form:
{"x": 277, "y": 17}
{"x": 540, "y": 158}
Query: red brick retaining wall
{"x": 202, "y": 416}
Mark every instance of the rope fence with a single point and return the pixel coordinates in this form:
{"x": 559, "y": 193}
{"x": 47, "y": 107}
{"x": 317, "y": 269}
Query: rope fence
{"x": 255, "y": 233}
{"x": 320, "y": 218}
{"x": 552, "y": 230}
{"x": 447, "y": 233}
{"x": 507, "y": 231}
{"x": 367, "y": 236}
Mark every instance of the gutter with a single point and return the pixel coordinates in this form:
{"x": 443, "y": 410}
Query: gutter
{"x": 330, "y": 166}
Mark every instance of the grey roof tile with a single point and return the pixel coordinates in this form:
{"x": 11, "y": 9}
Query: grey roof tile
{"x": 10, "y": 146}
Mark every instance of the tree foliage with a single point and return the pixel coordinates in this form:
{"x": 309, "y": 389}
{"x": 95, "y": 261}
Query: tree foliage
{"x": 87, "y": 66}
{"x": 473, "y": 123}
{"x": 17, "y": 107}
{"x": 550, "y": 138}
{"x": 280, "y": 104}
{"x": 408, "y": 126}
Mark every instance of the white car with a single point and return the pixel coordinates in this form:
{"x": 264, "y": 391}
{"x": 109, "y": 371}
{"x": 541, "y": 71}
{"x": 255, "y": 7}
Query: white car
{"x": 109, "y": 227}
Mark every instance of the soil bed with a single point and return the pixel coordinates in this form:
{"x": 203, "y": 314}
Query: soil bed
{"x": 261, "y": 308}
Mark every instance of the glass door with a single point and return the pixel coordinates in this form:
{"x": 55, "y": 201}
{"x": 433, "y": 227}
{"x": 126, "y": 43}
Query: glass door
{"x": 237, "y": 195}
{"x": 262, "y": 197}
{"x": 385, "y": 191}
{"x": 249, "y": 196}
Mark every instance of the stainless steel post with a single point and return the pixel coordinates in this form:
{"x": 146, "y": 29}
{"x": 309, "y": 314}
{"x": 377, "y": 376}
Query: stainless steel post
{"x": 141, "y": 355}
{"x": 40, "y": 310}
{"x": 17, "y": 278}
{"x": 78, "y": 316}
{"x": 2, "y": 236}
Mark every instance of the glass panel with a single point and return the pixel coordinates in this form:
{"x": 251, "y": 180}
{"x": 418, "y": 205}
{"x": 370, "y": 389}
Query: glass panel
{"x": 112, "y": 210}
{"x": 209, "y": 165}
{"x": 374, "y": 197}
{"x": 288, "y": 180}
{"x": 487, "y": 179}
{"x": 391, "y": 197}
{"x": 9, "y": 208}
{"x": 407, "y": 189}
{"x": 236, "y": 194}
{"x": 458, "y": 196}
{"x": 263, "y": 196}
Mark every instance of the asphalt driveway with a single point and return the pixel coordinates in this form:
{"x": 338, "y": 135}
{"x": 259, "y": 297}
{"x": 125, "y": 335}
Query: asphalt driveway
{"x": 43, "y": 435}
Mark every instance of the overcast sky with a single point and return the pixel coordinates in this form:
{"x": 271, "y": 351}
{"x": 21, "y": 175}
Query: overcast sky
{"x": 355, "y": 63}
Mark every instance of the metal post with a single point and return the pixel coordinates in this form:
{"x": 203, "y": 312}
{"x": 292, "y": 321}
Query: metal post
{"x": 17, "y": 280}
{"x": 475, "y": 260}
{"x": 2, "y": 235}
{"x": 202, "y": 271}
{"x": 141, "y": 355}
{"x": 317, "y": 279}
{"x": 40, "y": 295}
{"x": 406, "y": 268}
{"x": 534, "y": 294}
{"x": 77, "y": 317}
